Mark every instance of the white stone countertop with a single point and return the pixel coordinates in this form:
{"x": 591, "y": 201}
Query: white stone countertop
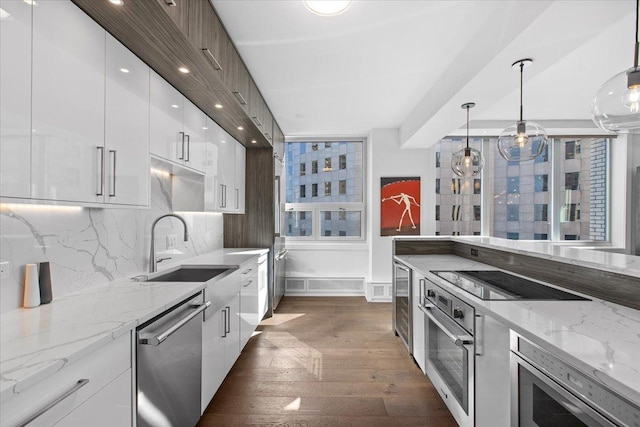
{"x": 600, "y": 338}
{"x": 567, "y": 252}
{"x": 37, "y": 342}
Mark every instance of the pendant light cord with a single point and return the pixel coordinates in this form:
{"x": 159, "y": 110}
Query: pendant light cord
{"x": 521, "y": 73}
{"x": 637, "y": 46}
{"x": 468, "y": 106}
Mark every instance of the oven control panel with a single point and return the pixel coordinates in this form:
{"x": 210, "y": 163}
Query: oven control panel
{"x": 590, "y": 391}
{"x": 459, "y": 311}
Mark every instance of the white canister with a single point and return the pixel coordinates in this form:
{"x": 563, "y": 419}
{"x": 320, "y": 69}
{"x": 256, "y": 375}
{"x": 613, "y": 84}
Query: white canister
{"x": 31, "y": 286}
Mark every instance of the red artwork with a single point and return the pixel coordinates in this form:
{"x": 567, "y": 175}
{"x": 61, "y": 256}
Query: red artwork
{"x": 399, "y": 206}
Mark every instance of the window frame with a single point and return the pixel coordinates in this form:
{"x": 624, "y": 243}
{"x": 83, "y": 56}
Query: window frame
{"x": 317, "y": 236}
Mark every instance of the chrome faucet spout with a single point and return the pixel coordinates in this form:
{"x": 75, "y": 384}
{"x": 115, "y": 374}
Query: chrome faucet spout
{"x": 152, "y": 255}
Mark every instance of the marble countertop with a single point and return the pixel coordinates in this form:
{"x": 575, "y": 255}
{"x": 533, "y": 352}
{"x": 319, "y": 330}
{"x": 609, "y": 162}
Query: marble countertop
{"x": 600, "y": 338}
{"x": 570, "y": 253}
{"x": 37, "y": 342}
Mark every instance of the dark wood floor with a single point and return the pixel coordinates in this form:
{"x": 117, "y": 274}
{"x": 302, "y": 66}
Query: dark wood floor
{"x": 326, "y": 362}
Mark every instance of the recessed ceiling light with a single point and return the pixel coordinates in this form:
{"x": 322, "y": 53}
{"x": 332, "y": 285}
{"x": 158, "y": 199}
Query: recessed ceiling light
{"x": 183, "y": 70}
{"x": 174, "y": 106}
{"x": 253, "y": 141}
{"x": 218, "y": 105}
{"x": 117, "y": 2}
{"x": 124, "y": 70}
{"x": 205, "y": 128}
{"x": 327, "y": 7}
{"x": 223, "y": 141}
{"x": 240, "y": 128}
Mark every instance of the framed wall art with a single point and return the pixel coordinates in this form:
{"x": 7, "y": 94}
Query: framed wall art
{"x": 400, "y": 206}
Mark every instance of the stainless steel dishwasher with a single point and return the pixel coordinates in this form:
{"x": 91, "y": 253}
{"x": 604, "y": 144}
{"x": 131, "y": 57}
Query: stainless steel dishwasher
{"x": 169, "y": 366}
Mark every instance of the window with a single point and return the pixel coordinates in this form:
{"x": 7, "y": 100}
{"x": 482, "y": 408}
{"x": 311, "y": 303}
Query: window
{"x": 342, "y": 160}
{"x": 513, "y": 213}
{"x": 541, "y": 183}
{"x": 540, "y": 212}
{"x": 579, "y": 192}
{"x": 544, "y": 157}
{"x": 329, "y": 203}
{"x": 571, "y": 180}
{"x": 463, "y": 197}
{"x": 513, "y": 236}
{"x": 303, "y": 169}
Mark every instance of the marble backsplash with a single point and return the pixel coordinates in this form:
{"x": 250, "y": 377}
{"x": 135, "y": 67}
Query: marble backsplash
{"x": 90, "y": 247}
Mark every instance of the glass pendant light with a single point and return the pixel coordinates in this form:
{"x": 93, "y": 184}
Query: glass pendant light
{"x": 467, "y": 162}
{"x": 616, "y": 106}
{"x": 524, "y": 140}
{"x": 327, "y": 7}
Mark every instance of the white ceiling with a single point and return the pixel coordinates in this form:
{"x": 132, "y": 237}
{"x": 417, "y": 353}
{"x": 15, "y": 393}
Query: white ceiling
{"x": 411, "y": 64}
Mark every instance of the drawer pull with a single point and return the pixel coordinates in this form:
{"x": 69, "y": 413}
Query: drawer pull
{"x": 248, "y": 283}
{"x": 248, "y": 270}
{"x": 77, "y": 386}
{"x": 216, "y": 64}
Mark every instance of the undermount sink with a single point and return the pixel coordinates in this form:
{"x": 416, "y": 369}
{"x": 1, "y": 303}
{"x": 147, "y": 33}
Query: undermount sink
{"x": 189, "y": 274}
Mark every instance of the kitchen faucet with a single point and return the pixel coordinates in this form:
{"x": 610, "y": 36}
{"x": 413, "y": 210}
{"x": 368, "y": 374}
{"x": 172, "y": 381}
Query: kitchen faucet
{"x": 153, "y": 263}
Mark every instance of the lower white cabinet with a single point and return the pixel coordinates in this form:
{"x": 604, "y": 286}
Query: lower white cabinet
{"x": 263, "y": 285}
{"x": 418, "y": 321}
{"x": 220, "y": 347}
{"x": 249, "y": 303}
{"x": 101, "y": 380}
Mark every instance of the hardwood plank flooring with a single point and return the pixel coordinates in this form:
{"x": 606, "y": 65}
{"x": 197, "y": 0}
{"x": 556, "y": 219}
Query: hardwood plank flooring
{"x": 324, "y": 361}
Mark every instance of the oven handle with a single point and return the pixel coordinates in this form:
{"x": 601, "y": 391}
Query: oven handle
{"x": 459, "y": 340}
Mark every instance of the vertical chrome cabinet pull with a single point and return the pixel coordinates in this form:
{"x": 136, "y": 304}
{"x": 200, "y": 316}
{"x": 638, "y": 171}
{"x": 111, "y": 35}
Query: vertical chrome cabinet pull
{"x": 422, "y": 285}
{"x": 100, "y": 190}
{"x": 240, "y": 98}
{"x": 228, "y": 323}
{"x": 112, "y": 190}
{"x": 224, "y": 320}
{"x": 216, "y": 64}
{"x": 181, "y": 150}
{"x": 77, "y": 386}
{"x": 237, "y": 198}
{"x": 187, "y": 157}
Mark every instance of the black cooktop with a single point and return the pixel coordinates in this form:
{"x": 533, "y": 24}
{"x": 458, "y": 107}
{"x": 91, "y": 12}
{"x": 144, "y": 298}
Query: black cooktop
{"x": 498, "y": 285}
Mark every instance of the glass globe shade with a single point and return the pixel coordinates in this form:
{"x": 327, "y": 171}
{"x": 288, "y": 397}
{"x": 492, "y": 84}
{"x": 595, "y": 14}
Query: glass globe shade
{"x": 616, "y": 107}
{"x": 467, "y": 162}
{"x": 327, "y": 7}
{"x": 522, "y": 141}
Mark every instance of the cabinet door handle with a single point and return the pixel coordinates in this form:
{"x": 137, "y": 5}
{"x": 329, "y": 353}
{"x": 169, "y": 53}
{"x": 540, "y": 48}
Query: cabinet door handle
{"x": 248, "y": 270}
{"x": 112, "y": 190}
{"x": 257, "y": 120}
{"x": 237, "y": 198}
{"x": 248, "y": 283}
{"x": 181, "y": 150}
{"x": 224, "y": 196}
{"x": 208, "y": 53}
{"x": 77, "y": 386}
{"x": 224, "y": 320}
{"x": 188, "y": 151}
{"x": 240, "y": 98}
{"x": 100, "y": 190}
{"x": 228, "y": 323}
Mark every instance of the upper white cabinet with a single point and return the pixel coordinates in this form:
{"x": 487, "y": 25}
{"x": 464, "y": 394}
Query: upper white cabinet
{"x": 177, "y": 126}
{"x": 239, "y": 174}
{"x": 224, "y": 180}
{"x": 68, "y": 101}
{"x": 126, "y": 127}
{"x": 15, "y": 99}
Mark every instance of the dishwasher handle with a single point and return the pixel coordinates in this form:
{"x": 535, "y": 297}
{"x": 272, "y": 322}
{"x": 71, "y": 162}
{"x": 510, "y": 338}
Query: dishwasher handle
{"x": 158, "y": 339}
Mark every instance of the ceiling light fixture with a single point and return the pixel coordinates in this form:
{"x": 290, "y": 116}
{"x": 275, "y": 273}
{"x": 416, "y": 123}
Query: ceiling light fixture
{"x": 218, "y": 106}
{"x": 327, "y": 7}
{"x": 523, "y": 140}
{"x": 240, "y": 128}
{"x": 616, "y": 106}
{"x": 183, "y": 70}
{"x": 467, "y": 162}
{"x": 124, "y": 70}
{"x": 117, "y": 2}
{"x": 253, "y": 141}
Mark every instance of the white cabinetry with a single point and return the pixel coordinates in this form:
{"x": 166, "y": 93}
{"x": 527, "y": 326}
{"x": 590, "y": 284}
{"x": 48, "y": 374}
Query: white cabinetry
{"x": 95, "y": 389}
{"x": 15, "y": 99}
{"x": 239, "y": 174}
{"x": 263, "y": 285}
{"x": 249, "y": 305}
{"x": 418, "y": 321}
{"x": 126, "y": 150}
{"x": 68, "y": 100}
{"x": 177, "y": 126}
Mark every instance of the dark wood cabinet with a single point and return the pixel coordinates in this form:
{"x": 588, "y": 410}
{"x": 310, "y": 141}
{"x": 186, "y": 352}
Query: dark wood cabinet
{"x": 259, "y": 112}
{"x": 278, "y": 141}
{"x": 208, "y": 35}
{"x": 237, "y": 77}
{"x": 178, "y": 11}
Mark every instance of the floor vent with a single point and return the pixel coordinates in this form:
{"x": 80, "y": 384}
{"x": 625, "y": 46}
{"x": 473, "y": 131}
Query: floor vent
{"x": 324, "y": 286}
{"x": 295, "y": 285}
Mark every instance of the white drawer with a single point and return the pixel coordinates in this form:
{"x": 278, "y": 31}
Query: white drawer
{"x": 100, "y": 368}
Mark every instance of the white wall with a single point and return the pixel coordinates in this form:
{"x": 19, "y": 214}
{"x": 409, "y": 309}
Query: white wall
{"x": 386, "y": 159}
{"x": 91, "y": 247}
